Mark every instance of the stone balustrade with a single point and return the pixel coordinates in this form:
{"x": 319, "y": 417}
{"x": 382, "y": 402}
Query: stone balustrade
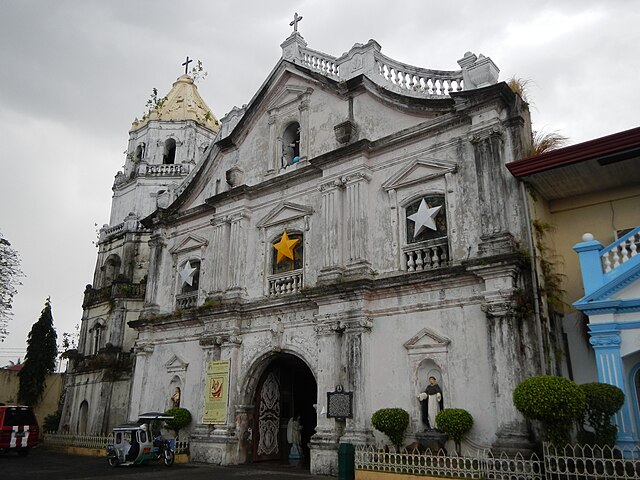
{"x": 285, "y": 283}
{"x": 320, "y": 62}
{"x": 93, "y": 296}
{"x": 403, "y": 78}
{"x": 426, "y": 255}
{"x": 187, "y": 300}
{"x": 620, "y": 251}
{"x": 170, "y": 170}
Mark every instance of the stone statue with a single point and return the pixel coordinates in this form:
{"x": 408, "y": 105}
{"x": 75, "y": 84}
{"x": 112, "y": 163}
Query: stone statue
{"x": 432, "y": 403}
{"x": 175, "y": 398}
{"x": 294, "y": 427}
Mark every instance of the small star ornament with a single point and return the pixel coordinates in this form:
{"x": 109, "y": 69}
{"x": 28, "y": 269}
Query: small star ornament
{"x": 285, "y": 247}
{"x": 424, "y": 218}
{"x": 186, "y": 274}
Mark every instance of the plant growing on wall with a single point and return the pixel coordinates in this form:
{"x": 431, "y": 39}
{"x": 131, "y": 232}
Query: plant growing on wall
{"x": 181, "y": 418}
{"x": 602, "y": 401}
{"x": 393, "y": 422}
{"x": 555, "y": 401}
{"x": 455, "y": 422}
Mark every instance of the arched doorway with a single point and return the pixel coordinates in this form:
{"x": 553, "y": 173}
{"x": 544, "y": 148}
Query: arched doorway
{"x": 286, "y": 389}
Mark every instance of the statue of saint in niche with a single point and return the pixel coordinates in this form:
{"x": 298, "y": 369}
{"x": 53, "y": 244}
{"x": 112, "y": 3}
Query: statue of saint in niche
{"x": 175, "y": 398}
{"x": 431, "y": 403}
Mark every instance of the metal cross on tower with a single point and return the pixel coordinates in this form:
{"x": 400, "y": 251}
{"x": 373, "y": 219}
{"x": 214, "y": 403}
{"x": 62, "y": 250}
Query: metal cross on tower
{"x": 186, "y": 65}
{"x": 295, "y": 21}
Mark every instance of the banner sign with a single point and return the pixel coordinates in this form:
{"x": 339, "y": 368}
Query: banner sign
{"x": 216, "y": 395}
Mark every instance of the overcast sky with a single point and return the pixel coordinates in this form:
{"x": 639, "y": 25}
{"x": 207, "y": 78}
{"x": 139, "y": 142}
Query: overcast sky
{"x": 74, "y": 75}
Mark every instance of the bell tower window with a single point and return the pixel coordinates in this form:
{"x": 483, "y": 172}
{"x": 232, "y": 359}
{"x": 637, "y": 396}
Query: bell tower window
{"x": 291, "y": 145}
{"x": 169, "y": 154}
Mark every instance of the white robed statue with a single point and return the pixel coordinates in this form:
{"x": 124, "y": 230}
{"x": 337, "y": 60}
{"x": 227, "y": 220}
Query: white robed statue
{"x": 294, "y": 427}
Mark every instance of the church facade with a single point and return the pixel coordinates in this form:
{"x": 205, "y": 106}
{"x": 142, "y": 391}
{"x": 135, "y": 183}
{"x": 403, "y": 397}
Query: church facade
{"x": 352, "y": 230}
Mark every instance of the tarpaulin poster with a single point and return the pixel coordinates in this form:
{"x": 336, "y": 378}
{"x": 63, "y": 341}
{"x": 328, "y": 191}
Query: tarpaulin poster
{"x": 216, "y": 395}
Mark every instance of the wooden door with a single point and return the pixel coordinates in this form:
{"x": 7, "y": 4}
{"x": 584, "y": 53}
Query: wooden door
{"x": 266, "y": 436}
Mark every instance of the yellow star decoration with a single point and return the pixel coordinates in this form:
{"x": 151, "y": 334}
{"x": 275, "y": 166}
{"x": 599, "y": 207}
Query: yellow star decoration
{"x": 285, "y": 247}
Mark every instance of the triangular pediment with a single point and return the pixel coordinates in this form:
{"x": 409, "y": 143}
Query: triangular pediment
{"x": 288, "y": 95}
{"x": 176, "y": 364}
{"x": 419, "y": 171}
{"x": 191, "y": 242}
{"x": 426, "y": 341}
{"x": 284, "y": 213}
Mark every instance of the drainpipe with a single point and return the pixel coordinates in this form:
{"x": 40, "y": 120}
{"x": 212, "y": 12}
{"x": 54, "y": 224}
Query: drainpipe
{"x": 534, "y": 277}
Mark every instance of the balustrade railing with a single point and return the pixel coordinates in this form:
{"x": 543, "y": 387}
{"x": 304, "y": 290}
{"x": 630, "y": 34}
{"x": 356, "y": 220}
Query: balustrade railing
{"x": 94, "y": 296}
{"x": 621, "y": 251}
{"x": 407, "y": 78}
{"x": 285, "y": 283}
{"x": 187, "y": 300}
{"x": 167, "y": 170}
{"x": 319, "y": 61}
{"x": 426, "y": 255}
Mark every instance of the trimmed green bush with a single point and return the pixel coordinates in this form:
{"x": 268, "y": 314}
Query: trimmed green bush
{"x": 181, "y": 418}
{"x": 51, "y": 422}
{"x": 602, "y": 401}
{"x": 455, "y": 422}
{"x": 555, "y": 401}
{"x": 393, "y": 422}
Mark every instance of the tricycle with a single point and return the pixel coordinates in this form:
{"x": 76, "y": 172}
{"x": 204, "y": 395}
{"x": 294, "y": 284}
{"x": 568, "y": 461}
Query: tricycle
{"x": 137, "y": 443}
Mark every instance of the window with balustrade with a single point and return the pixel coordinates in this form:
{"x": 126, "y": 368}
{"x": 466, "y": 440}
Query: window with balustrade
{"x": 426, "y": 242}
{"x": 287, "y": 261}
{"x": 188, "y": 284}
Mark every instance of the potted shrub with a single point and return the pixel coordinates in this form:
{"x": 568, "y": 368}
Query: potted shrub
{"x": 555, "y": 401}
{"x": 455, "y": 422}
{"x": 393, "y": 422}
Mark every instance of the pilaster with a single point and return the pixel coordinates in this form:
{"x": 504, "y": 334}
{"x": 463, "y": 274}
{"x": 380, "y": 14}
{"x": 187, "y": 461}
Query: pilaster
{"x": 357, "y": 222}
{"x": 332, "y": 201}
{"x": 156, "y": 247}
{"x": 606, "y": 341}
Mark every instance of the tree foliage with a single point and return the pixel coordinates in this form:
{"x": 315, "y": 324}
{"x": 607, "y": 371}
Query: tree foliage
{"x": 10, "y": 275}
{"x": 555, "y": 401}
{"x": 393, "y": 422}
{"x": 40, "y": 360}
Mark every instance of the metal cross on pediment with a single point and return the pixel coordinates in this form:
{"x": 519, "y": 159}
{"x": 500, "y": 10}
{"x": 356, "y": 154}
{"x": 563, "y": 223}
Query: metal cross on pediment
{"x": 295, "y": 21}
{"x": 186, "y": 65}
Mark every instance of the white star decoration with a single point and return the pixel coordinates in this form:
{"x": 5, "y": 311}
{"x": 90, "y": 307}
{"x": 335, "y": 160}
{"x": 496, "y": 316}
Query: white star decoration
{"x": 187, "y": 274}
{"x": 425, "y": 217}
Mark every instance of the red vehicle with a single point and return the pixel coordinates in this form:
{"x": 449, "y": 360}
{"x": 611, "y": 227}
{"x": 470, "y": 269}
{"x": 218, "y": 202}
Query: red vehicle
{"x": 18, "y": 429}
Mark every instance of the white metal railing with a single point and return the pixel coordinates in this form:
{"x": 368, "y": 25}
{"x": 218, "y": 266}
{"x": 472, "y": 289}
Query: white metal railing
{"x": 97, "y": 441}
{"x": 426, "y": 255}
{"x": 78, "y": 440}
{"x": 415, "y": 79}
{"x": 285, "y": 283}
{"x": 620, "y": 251}
{"x": 482, "y": 464}
{"x": 166, "y": 170}
{"x": 575, "y": 462}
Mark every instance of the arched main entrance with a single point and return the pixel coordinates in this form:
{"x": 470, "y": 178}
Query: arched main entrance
{"x": 286, "y": 389}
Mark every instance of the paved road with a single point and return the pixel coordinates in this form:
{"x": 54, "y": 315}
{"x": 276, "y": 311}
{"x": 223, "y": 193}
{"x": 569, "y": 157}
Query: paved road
{"x": 48, "y": 465}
